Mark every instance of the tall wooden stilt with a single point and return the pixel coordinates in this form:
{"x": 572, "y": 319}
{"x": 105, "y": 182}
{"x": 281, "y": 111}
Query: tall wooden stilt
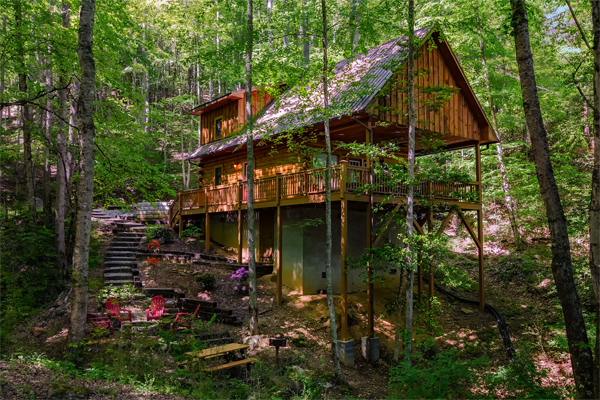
{"x": 480, "y": 228}
{"x": 240, "y": 248}
{"x": 181, "y": 223}
{"x": 370, "y": 291}
{"x": 429, "y": 231}
{"x": 344, "y": 277}
{"x": 279, "y": 255}
{"x": 240, "y": 222}
{"x": 207, "y": 233}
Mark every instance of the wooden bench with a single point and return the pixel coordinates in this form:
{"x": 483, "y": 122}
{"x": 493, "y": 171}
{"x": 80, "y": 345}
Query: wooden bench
{"x": 220, "y": 351}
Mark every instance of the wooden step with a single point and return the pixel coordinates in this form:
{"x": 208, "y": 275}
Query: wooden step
{"x": 231, "y": 364}
{"x": 195, "y": 303}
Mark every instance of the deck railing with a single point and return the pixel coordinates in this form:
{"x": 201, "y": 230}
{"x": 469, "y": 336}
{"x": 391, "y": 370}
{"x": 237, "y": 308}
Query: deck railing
{"x": 353, "y": 181}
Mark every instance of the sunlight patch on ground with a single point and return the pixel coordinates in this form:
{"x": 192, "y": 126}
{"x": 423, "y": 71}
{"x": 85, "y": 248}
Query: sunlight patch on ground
{"x": 58, "y": 337}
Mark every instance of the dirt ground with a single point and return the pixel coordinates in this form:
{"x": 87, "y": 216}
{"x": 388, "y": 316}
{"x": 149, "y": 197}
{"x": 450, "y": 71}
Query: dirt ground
{"x": 303, "y": 319}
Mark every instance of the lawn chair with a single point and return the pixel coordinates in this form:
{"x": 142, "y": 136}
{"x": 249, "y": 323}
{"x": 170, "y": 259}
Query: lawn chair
{"x": 157, "y": 307}
{"x": 101, "y": 323}
{"x": 185, "y": 318}
{"x": 112, "y": 306}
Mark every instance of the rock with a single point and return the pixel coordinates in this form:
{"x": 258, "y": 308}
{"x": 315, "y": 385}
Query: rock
{"x": 66, "y": 392}
{"x": 467, "y": 311}
{"x": 38, "y": 331}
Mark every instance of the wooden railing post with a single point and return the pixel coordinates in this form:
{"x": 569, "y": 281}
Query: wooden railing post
{"x": 180, "y": 213}
{"x": 343, "y": 177}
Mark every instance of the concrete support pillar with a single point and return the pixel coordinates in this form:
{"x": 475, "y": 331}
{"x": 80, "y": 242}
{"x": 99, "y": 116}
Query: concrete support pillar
{"x": 370, "y": 349}
{"x": 346, "y": 348}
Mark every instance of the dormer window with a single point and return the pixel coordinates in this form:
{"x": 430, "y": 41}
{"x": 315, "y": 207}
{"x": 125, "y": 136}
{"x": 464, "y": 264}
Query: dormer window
{"x": 218, "y": 127}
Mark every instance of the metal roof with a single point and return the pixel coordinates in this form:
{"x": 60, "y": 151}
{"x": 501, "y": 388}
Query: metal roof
{"x": 352, "y": 85}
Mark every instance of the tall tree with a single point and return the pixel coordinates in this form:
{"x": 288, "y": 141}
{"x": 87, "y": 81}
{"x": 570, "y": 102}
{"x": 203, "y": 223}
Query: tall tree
{"x": 61, "y": 159}
{"x": 411, "y": 177}
{"x": 26, "y": 112}
{"x": 595, "y": 197}
{"x": 328, "y": 238}
{"x": 253, "y": 303}
{"x": 581, "y": 355}
{"x": 85, "y": 189}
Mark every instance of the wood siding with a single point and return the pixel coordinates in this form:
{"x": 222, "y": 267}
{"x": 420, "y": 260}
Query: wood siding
{"x": 268, "y": 162}
{"x": 234, "y": 115}
{"x": 454, "y": 118}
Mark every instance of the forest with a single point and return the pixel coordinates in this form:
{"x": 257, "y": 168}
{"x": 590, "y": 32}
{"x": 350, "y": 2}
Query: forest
{"x": 99, "y": 123}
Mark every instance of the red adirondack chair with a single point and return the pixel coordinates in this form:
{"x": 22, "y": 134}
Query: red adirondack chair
{"x": 157, "y": 307}
{"x": 185, "y": 318}
{"x": 101, "y": 323}
{"x": 112, "y": 306}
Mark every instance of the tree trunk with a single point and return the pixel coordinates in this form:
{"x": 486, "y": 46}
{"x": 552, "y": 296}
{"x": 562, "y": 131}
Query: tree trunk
{"x": 2, "y": 74}
{"x": 253, "y": 303}
{"x": 581, "y": 355}
{"x": 48, "y": 136}
{"x": 595, "y": 195}
{"x": 85, "y": 118}
{"x": 328, "y": 240}
{"x": 354, "y": 23}
{"x": 26, "y": 114}
{"x": 305, "y": 35}
{"x": 411, "y": 176}
{"x": 61, "y": 167}
{"x": 400, "y": 297}
{"x": 511, "y": 204}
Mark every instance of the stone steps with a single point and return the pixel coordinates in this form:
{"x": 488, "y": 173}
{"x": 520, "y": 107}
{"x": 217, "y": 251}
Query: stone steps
{"x": 116, "y": 270}
{"x": 125, "y": 244}
{"x": 120, "y": 263}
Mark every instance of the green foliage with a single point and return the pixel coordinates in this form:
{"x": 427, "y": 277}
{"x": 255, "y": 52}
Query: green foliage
{"x": 191, "y": 231}
{"x": 207, "y": 281}
{"x": 442, "y": 377}
{"x": 123, "y": 293}
{"x": 162, "y": 233}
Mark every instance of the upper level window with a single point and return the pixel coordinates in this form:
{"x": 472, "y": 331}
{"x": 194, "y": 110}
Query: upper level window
{"x": 218, "y": 127}
{"x": 218, "y": 176}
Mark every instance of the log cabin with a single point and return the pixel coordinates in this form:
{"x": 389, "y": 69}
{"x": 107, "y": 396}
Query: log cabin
{"x": 368, "y": 105}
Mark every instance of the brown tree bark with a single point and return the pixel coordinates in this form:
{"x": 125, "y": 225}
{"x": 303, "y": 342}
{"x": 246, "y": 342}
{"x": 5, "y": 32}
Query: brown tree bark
{"x": 85, "y": 189}
{"x": 411, "y": 265}
{"x": 26, "y": 114}
{"x": 328, "y": 239}
{"x": 253, "y": 301}
{"x": 581, "y": 355}
{"x": 595, "y": 195}
{"x": 61, "y": 168}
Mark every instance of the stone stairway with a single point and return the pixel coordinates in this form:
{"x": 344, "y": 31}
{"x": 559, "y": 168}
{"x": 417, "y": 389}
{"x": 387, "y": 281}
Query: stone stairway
{"x": 120, "y": 265}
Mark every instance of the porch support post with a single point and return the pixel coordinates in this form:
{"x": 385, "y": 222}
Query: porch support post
{"x": 480, "y": 227}
{"x": 279, "y": 255}
{"x": 344, "y": 275}
{"x": 429, "y": 231}
{"x": 207, "y": 232}
{"x": 370, "y": 294}
{"x": 240, "y": 223}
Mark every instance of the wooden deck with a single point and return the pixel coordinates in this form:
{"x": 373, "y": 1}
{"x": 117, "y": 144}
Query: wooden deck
{"x": 347, "y": 182}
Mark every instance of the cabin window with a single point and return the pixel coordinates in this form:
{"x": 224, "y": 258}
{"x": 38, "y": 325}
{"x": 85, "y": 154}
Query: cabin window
{"x": 218, "y": 127}
{"x": 355, "y": 163}
{"x": 320, "y": 160}
{"x": 218, "y": 176}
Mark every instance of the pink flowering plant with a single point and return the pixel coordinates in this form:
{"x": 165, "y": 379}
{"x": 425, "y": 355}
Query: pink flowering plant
{"x": 240, "y": 281}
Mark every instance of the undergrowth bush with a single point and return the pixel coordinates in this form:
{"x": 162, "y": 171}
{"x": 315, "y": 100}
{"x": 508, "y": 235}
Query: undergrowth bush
{"x": 447, "y": 375}
{"x": 123, "y": 293}
{"x": 162, "y": 233}
{"x": 207, "y": 281}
